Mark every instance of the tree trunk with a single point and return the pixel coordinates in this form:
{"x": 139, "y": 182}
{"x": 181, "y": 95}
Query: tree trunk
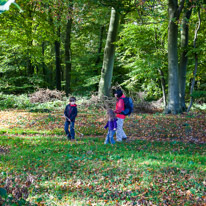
{"x": 173, "y": 105}
{"x": 196, "y": 61}
{"x": 30, "y": 44}
{"x": 184, "y": 58}
{"x": 97, "y": 70}
{"x": 30, "y": 67}
{"x": 162, "y": 79}
{"x": 43, "y": 64}
{"x": 58, "y": 61}
{"x": 68, "y": 50}
{"x": 99, "y": 48}
{"x": 109, "y": 53}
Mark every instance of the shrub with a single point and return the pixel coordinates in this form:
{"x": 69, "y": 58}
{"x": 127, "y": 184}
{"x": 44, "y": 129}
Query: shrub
{"x": 14, "y": 101}
{"x": 199, "y": 96}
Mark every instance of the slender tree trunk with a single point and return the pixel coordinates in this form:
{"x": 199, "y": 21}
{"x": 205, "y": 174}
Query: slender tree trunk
{"x": 98, "y": 60}
{"x": 99, "y": 48}
{"x": 58, "y": 61}
{"x": 109, "y": 54}
{"x": 30, "y": 67}
{"x": 162, "y": 79}
{"x": 43, "y": 64}
{"x": 196, "y": 61}
{"x": 184, "y": 58}
{"x": 30, "y": 45}
{"x": 68, "y": 50}
{"x": 173, "y": 105}
{"x": 52, "y": 69}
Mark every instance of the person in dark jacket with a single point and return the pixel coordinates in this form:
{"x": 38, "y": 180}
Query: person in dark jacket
{"x": 112, "y": 126}
{"x": 70, "y": 113}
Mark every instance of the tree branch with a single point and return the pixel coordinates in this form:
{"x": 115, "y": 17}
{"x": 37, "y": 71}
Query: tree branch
{"x": 196, "y": 60}
{"x": 181, "y": 6}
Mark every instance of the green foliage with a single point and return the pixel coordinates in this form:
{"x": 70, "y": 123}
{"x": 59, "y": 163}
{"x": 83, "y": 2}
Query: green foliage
{"x": 19, "y": 84}
{"x": 199, "y": 96}
{"x": 142, "y": 57}
{"x": 3, "y": 192}
{"x": 27, "y": 56}
{"x": 13, "y": 101}
{"x": 23, "y": 102}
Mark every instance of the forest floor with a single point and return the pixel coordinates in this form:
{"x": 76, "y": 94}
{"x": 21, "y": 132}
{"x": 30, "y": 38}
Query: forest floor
{"x": 150, "y": 126}
{"x": 162, "y": 163}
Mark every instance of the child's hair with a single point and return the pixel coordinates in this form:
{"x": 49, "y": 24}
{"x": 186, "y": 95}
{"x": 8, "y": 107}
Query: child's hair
{"x": 111, "y": 114}
{"x": 72, "y": 99}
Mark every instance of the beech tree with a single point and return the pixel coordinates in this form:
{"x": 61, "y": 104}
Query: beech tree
{"x": 68, "y": 47}
{"x": 118, "y": 6}
{"x": 174, "y": 11}
{"x": 184, "y": 58}
{"x": 109, "y": 54}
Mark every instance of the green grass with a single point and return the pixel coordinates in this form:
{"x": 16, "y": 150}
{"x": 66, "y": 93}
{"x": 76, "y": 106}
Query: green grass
{"x": 88, "y": 172}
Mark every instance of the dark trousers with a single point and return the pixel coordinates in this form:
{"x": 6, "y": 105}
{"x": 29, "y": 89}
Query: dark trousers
{"x": 70, "y": 134}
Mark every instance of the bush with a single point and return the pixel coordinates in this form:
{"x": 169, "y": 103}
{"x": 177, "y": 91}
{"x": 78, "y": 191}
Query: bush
{"x": 48, "y": 106}
{"x": 34, "y": 102}
{"x": 13, "y": 101}
{"x": 199, "y": 96}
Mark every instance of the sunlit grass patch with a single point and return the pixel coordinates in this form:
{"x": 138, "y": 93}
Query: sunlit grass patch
{"x": 89, "y": 172}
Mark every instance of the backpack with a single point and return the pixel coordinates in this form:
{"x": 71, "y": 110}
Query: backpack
{"x": 128, "y": 106}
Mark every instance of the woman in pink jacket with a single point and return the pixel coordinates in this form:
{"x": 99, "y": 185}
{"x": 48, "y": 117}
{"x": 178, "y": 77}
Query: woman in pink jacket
{"x": 120, "y": 134}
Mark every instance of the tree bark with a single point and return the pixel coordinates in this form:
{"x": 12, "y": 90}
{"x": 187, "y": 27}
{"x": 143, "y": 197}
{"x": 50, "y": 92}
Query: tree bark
{"x": 58, "y": 61}
{"x": 184, "y": 58}
{"x": 196, "y": 61}
{"x": 68, "y": 49}
{"x": 109, "y": 54}
{"x": 30, "y": 45}
{"x": 174, "y": 11}
{"x": 162, "y": 79}
{"x": 97, "y": 70}
{"x": 43, "y": 64}
{"x": 99, "y": 48}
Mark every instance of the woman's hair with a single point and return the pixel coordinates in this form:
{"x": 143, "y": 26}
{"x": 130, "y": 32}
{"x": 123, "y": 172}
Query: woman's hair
{"x": 72, "y": 99}
{"x": 119, "y": 93}
{"x": 111, "y": 114}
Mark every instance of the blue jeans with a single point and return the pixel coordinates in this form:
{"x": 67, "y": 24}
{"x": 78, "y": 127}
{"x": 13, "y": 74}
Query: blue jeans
{"x": 110, "y": 137}
{"x": 70, "y": 134}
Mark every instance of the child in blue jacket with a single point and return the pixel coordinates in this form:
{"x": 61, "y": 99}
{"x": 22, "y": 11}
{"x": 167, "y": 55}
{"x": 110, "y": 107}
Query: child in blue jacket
{"x": 112, "y": 127}
{"x": 70, "y": 113}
